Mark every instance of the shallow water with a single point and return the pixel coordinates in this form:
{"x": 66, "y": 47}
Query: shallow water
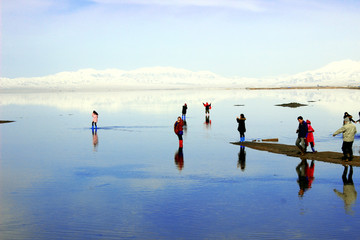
{"x": 61, "y": 180}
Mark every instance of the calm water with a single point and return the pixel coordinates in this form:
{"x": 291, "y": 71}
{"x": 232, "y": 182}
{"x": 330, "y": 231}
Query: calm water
{"x": 60, "y": 180}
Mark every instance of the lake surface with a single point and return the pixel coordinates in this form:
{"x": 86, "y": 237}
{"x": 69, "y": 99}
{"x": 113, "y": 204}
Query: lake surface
{"x": 127, "y": 180}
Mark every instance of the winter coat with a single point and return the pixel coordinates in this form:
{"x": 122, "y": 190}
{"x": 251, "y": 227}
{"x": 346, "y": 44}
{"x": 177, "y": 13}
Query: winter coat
{"x": 302, "y": 130}
{"x": 184, "y": 108}
{"x": 310, "y": 136}
{"x": 348, "y": 130}
{"x": 241, "y": 127}
{"x": 207, "y": 106}
{"x": 178, "y": 127}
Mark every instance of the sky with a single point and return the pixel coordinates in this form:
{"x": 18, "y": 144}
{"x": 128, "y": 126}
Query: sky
{"x": 232, "y": 38}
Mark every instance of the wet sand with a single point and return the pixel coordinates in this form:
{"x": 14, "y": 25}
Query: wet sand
{"x": 293, "y": 151}
{"x": 3, "y": 121}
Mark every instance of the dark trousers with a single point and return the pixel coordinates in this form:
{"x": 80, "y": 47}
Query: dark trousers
{"x": 179, "y": 136}
{"x": 347, "y": 149}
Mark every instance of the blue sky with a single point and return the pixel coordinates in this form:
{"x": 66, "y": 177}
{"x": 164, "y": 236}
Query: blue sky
{"x": 228, "y": 37}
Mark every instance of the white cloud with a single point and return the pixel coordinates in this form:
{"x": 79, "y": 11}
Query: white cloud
{"x": 239, "y": 4}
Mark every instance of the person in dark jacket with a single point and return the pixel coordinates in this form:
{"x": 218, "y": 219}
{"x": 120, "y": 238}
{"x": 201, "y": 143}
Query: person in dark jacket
{"x": 184, "y": 109}
{"x": 347, "y": 115}
{"x": 178, "y": 129}
{"x": 241, "y": 127}
{"x": 302, "y": 132}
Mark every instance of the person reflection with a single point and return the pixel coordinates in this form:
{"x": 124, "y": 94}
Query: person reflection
{"x": 95, "y": 139}
{"x": 207, "y": 121}
{"x": 184, "y": 126}
{"x": 242, "y": 158}
{"x": 179, "y": 159}
{"x": 349, "y": 193}
{"x": 303, "y": 180}
{"x": 310, "y": 172}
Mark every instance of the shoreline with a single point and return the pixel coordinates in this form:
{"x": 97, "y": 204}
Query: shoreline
{"x": 134, "y": 88}
{"x": 290, "y": 88}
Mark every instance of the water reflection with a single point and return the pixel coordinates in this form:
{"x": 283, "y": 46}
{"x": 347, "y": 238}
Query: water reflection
{"x": 95, "y": 139}
{"x": 116, "y": 183}
{"x": 207, "y": 121}
{"x": 184, "y": 127}
{"x": 349, "y": 193}
{"x": 113, "y": 101}
{"x": 242, "y": 158}
{"x": 310, "y": 172}
{"x": 305, "y": 175}
{"x": 179, "y": 159}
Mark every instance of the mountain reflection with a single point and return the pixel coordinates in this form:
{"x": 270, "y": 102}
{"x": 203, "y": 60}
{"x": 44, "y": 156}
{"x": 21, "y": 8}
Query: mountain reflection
{"x": 115, "y": 100}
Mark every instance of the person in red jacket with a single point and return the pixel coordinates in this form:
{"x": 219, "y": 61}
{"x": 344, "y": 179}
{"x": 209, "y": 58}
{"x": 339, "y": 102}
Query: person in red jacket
{"x": 207, "y": 108}
{"x": 178, "y": 129}
{"x": 310, "y": 172}
{"x": 310, "y": 137}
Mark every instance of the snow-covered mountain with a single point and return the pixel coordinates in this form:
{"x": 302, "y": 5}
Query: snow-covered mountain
{"x": 341, "y": 74}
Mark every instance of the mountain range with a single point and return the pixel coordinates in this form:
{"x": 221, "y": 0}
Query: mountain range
{"x": 345, "y": 73}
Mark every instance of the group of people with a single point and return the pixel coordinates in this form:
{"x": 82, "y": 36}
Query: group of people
{"x": 304, "y": 131}
{"x": 180, "y": 122}
{"x": 305, "y": 136}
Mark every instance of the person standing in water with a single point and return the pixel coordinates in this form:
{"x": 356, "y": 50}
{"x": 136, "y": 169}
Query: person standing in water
{"x": 241, "y": 127}
{"x": 178, "y": 129}
{"x": 184, "y": 109}
{"x": 207, "y": 108}
{"x": 95, "y": 116}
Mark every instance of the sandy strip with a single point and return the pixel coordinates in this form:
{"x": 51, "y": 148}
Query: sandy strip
{"x": 293, "y": 151}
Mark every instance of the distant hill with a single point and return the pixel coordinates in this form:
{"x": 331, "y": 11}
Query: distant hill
{"x": 341, "y": 74}
{"x": 344, "y": 73}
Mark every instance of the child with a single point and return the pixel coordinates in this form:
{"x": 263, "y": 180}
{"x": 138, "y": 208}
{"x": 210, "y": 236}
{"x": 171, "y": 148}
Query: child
{"x": 95, "y": 119}
{"x": 310, "y": 137}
